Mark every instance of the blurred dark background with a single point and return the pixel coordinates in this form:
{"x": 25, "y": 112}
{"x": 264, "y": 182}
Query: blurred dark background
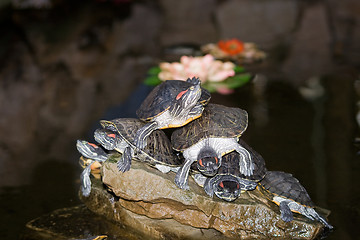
{"x": 66, "y": 64}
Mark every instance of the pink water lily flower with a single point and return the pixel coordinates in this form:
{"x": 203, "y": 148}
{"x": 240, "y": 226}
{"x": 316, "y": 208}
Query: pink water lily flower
{"x": 206, "y": 68}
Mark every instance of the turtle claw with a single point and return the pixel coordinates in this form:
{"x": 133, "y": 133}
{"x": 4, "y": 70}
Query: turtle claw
{"x": 180, "y": 181}
{"x": 246, "y": 171}
{"x": 124, "y": 163}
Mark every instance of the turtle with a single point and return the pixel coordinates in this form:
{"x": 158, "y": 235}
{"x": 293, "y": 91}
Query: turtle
{"x": 287, "y": 192}
{"x": 208, "y": 138}
{"x": 94, "y": 153}
{"x": 119, "y": 134}
{"x": 173, "y": 103}
{"x": 229, "y": 182}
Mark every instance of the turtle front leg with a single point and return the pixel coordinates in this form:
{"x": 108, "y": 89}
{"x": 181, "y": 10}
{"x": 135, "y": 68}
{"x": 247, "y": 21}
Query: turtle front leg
{"x": 143, "y": 133}
{"x": 85, "y": 181}
{"x": 246, "y": 163}
{"x": 286, "y": 214}
{"x": 124, "y": 163}
{"x": 181, "y": 178}
{"x": 208, "y": 187}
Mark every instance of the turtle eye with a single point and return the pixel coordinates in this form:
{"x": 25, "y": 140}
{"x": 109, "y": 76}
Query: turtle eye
{"x": 93, "y": 145}
{"x": 181, "y": 94}
{"x": 221, "y": 184}
{"x": 192, "y": 88}
{"x": 201, "y": 163}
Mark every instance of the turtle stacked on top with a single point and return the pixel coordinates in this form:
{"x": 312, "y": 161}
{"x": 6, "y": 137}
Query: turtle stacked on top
{"x": 205, "y": 134}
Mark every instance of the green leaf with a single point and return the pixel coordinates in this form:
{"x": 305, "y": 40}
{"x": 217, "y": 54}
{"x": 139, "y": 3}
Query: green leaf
{"x": 239, "y": 69}
{"x": 237, "y": 80}
{"x": 152, "y": 81}
{"x": 209, "y": 86}
{"x": 154, "y": 71}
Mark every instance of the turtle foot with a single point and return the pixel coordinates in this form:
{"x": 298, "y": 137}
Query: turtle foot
{"x": 181, "y": 183}
{"x": 85, "y": 181}
{"x": 246, "y": 163}
{"x": 143, "y": 133}
{"x": 286, "y": 214}
{"x": 183, "y": 186}
{"x": 181, "y": 178}
{"x": 140, "y": 143}
{"x": 124, "y": 163}
{"x": 208, "y": 188}
{"x": 247, "y": 171}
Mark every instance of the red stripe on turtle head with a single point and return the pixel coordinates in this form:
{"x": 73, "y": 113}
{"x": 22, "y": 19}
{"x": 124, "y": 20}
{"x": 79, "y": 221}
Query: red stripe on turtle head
{"x": 93, "y": 145}
{"x": 221, "y": 184}
{"x": 201, "y": 163}
{"x": 181, "y": 94}
{"x": 112, "y": 135}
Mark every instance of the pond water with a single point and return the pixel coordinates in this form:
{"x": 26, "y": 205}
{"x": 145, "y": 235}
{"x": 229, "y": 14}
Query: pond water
{"x": 313, "y": 140}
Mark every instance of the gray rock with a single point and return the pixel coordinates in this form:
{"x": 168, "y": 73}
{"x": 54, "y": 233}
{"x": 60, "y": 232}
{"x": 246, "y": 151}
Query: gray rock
{"x": 147, "y": 192}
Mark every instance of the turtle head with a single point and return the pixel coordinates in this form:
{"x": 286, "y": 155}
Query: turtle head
{"x": 189, "y": 97}
{"x": 106, "y": 138}
{"x": 228, "y": 188}
{"x": 91, "y": 150}
{"x": 208, "y": 162}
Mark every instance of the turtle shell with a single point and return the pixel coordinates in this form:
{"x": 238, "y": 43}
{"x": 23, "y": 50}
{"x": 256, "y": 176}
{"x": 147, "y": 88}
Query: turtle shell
{"x": 158, "y": 150}
{"x": 285, "y": 185}
{"x": 216, "y": 121}
{"x": 230, "y": 164}
{"x": 163, "y": 96}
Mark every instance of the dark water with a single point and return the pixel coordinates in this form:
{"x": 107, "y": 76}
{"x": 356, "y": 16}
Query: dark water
{"x": 313, "y": 140}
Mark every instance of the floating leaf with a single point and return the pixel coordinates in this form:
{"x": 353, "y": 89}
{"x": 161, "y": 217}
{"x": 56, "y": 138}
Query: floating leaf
{"x": 152, "y": 81}
{"x": 239, "y": 69}
{"x": 209, "y": 86}
{"x": 154, "y": 71}
{"x": 237, "y": 80}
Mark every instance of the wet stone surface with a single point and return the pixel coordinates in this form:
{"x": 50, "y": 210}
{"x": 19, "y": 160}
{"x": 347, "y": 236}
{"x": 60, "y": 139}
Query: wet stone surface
{"x": 149, "y": 201}
{"x": 76, "y": 223}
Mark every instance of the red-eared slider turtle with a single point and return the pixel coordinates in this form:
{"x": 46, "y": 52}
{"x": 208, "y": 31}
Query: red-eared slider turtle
{"x": 94, "y": 153}
{"x": 229, "y": 182}
{"x": 287, "y": 192}
{"x": 158, "y": 152}
{"x": 171, "y": 104}
{"x": 208, "y": 138}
